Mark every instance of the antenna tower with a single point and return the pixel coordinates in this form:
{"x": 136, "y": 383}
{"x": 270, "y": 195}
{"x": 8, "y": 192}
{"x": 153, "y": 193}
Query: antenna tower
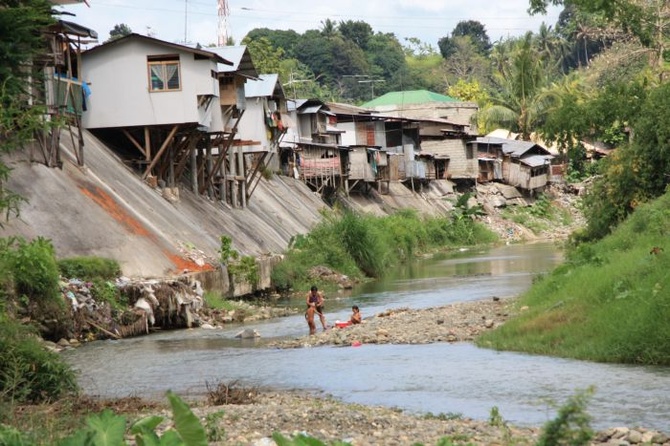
{"x": 224, "y": 12}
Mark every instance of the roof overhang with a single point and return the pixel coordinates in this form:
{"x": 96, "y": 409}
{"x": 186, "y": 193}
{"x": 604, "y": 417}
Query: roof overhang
{"x": 72, "y": 29}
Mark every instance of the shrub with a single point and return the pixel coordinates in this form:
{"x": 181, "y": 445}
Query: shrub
{"x": 28, "y": 372}
{"x": 89, "y": 268}
{"x": 572, "y": 424}
{"x": 240, "y": 269}
{"x": 33, "y": 268}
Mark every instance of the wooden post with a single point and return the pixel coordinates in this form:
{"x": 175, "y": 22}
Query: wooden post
{"x": 166, "y": 143}
{"x": 147, "y": 143}
{"x": 194, "y": 170}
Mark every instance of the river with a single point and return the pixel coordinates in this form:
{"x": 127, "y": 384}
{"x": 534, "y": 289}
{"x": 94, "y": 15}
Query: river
{"x": 438, "y": 378}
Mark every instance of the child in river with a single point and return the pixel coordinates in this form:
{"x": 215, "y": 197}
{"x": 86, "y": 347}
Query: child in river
{"x": 315, "y": 302}
{"x": 355, "y": 315}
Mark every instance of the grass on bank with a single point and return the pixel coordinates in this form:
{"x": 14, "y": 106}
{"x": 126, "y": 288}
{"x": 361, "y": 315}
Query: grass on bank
{"x": 609, "y": 301}
{"x": 362, "y": 246}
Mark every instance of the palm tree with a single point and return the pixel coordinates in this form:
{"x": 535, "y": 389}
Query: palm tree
{"x": 329, "y": 28}
{"x": 519, "y": 103}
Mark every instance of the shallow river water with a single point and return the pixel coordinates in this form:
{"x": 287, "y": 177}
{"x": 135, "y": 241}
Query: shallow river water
{"x": 439, "y": 378}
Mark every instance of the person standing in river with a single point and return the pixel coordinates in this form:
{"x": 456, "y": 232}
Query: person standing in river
{"x": 315, "y": 302}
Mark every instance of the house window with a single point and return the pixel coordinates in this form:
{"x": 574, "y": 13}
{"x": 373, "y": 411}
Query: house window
{"x": 164, "y": 74}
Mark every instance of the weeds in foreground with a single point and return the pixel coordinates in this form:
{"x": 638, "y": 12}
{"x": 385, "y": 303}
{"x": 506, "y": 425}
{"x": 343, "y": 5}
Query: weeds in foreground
{"x": 230, "y": 393}
{"x": 569, "y": 428}
{"x": 496, "y": 419}
{"x": 572, "y": 424}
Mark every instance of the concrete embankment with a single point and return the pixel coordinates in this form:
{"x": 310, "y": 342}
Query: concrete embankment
{"x": 105, "y": 209}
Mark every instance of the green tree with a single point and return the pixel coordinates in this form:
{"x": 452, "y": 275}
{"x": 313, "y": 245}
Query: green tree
{"x": 415, "y": 47}
{"x": 636, "y": 172}
{"x": 358, "y": 32}
{"x": 466, "y": 62}
{"x": 286, "y": 40}
{"x": 267, "y": 59}
{"x": 119, "y": 30}
{"x": 299, "y": 81}
{"x": 519, "y": 103}
{"x": 468, "y": 91}
{"x": 329, "y": 28}
{"x": 466, "y": 28}
{"x": 646, "y": 20}
{"x": 385, "y": 55}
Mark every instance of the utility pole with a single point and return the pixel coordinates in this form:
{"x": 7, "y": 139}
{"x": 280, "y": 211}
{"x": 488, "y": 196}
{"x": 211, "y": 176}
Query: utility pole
{"x": 372, "y": 85}
{"x": 292, "y": 82}
{"x": 185, "y": 21}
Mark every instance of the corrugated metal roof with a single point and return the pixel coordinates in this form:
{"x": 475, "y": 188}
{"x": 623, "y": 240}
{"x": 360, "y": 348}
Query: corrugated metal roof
{"x": 266, "y": 85}
{"x": 310, "y": 109}
{"x": 340, "y": 108}
{"x": 408, "y": 97}
{"x": 240, "y": 58}
{"x": 333, "y": 129}
{"x": 502, "y": 133}
{"x": 509, "y": 146}
{"x": 65, "y": 27}
{"x": 536, "y": 160}
{"x": 322, "y": 145}
{"x": 134, "y": 36}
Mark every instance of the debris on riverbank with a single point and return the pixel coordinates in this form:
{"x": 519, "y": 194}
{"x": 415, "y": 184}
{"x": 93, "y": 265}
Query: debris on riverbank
{"x": 151, "y": 305}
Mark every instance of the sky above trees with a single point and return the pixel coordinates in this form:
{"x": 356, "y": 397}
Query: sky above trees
{"x": 196, "y": 20}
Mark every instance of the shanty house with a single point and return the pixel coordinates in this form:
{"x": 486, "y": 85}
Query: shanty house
{"x": 311, "y": 150}
{"x": 157, "y": 104}
{"x": 264, "y": 119}
{"x": 382, "y": 148}
{"x": 522, "y": 164}
{"x": 141, "y": 81}
{"x": 447, "y": 145}
{"x": 424, "y": 104}
{"x": 64, "y": 94}
{"x": 247, "y": 151}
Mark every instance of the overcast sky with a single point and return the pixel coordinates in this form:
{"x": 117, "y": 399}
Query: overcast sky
{"x": 197, "y": 20}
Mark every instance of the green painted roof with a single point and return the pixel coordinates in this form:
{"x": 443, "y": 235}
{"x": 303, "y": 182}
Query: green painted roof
{"x": 408, "y": 97}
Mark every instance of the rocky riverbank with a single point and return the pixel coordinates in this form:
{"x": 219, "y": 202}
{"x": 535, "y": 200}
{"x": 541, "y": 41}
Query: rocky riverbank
{"x": 451, "y": 323}
{"x": 330, "y": 420}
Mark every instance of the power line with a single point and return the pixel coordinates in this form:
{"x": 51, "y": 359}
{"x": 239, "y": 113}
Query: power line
{"x": 287, "y": 19}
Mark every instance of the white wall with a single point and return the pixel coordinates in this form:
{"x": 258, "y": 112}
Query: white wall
{"x": 348, "y": 138}
{"x": 252, "y": 125}
{"x": 119, "y": 81}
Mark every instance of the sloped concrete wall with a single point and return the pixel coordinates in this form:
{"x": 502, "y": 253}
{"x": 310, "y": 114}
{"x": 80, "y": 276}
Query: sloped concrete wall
{"x": 104, "y": 209}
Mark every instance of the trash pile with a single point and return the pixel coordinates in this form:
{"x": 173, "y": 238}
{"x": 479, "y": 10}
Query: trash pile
{"x": 152, "y": 304}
